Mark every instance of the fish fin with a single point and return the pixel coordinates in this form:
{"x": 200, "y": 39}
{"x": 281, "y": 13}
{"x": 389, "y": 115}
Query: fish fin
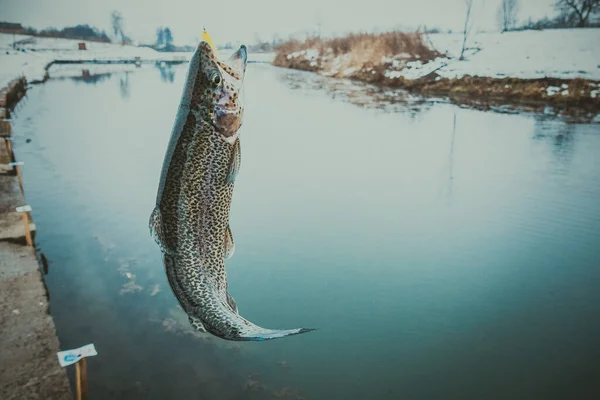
{"x": 197, "y": 324}
{"x": 222, "y": 321}
{"x": 156, "y": 230}
{"x": 238, "y": 60}
{"x": 229, "y": 243}
{"x": 232, "y": 303}
{"x": 234, "y": 163}
{"x": 269, "y": 334}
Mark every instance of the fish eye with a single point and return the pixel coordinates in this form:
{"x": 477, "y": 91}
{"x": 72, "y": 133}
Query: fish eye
{"x": 215, "y": 78}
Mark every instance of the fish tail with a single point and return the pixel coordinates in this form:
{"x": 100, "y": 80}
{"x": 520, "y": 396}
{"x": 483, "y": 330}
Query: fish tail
{"x": 228, "y": 324}
{"x": 269, "y": 334}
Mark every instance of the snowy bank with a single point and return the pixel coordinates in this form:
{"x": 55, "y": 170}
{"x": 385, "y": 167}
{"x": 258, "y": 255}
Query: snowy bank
{"x": 31, "y": 55}
{"x": 534, "y": 65}
{"x": 558, "y": 53}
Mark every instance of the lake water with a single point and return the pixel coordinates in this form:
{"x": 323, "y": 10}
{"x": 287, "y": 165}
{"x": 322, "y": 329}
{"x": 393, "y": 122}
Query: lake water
{"x": 442, "y": 252}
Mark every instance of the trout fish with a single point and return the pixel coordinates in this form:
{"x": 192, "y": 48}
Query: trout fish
{"x": 190, "y": 221}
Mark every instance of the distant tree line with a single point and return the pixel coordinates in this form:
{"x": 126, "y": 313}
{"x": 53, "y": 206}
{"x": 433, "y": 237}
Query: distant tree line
{"x": 81, "y": 32}
{"x": 571, "y": 14}
{"x": 164, "y": 39}
{"x": 265, "y": 46}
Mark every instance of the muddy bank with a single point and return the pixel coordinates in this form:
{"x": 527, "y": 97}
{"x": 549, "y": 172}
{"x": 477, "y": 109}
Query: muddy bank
{"x": 29, "y": 368}
{"x": 563, "y": 94}
{"x": 549, "y": 68}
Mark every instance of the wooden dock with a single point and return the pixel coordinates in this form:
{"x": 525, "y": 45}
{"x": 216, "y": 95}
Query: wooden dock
{"x": 29, "y": 366}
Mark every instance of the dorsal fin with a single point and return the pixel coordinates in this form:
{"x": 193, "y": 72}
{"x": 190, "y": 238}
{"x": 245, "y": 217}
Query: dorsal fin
{"x": 234, "y": 162}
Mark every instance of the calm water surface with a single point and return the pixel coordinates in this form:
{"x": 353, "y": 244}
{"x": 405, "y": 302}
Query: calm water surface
{"x": 443, "y": 252}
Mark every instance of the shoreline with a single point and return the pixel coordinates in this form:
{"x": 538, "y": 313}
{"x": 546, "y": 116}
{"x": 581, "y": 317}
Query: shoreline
{"x": 29, "y": 367}
{"x": 483, "y": 91}
{"x": 557, "y": 68}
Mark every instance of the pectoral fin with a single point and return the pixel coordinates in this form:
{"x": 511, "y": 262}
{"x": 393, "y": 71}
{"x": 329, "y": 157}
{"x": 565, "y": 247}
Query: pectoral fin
{"x": 229, "y": 243}
{"x": 156, "y": 230}
{"x": 234, "y": 163}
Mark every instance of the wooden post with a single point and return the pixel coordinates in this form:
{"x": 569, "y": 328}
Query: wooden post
{"x": 78, "y": 380}
{"x": 79, "y": 358}
{"x": 81, "y": 379}
{"x": 24, "y": 210}
{"x": 9, "y": 148}
{"x": 27, "y": 231}
{"x": 17, "y": 166}
{"x": 18, "y": 169}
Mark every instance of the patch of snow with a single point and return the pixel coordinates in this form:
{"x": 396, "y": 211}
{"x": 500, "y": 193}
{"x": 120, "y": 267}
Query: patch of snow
{"x": 552, "y": 53}
{"x": 416, "y": 69}
{"x": 32, "y": 54}
{"x": 564, "y": 86}
{"x": 311, "y": 54}
{"x": 330, "y": 73}
{"x": 594, "y": 93}
{"x": 552, "y": 90}
{"x": 348, "y": 71}
{"x": 565, "y": 92}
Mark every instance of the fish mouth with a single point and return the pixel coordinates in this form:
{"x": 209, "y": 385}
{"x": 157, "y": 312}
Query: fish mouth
{"x": 243, "y": 54}
{"x": 235, "y": 65}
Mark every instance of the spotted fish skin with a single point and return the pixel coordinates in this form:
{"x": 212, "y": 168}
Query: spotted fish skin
{"x": 191, "y": 219}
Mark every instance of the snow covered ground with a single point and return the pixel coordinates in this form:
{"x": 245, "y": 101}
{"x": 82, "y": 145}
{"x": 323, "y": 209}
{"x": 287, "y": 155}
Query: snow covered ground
{"x": 559, "y": 53}
{"x": 32, "y": 54}
{"x": 562, "y": 54}
{"x": 556, "y": 53}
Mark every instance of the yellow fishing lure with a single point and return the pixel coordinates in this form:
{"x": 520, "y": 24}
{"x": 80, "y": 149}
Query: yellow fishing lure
{"x": 207, "y": 39}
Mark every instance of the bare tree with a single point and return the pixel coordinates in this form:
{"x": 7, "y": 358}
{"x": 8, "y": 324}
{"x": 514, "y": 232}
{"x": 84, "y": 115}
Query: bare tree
{"x": 318, "y": 25}
{"x": 580, "y": 9}
{"x": 118, "y": 24}
{"x": 467, "y": 29}
{"x": 507, "y": 14}
{"x": 160, "y": 37}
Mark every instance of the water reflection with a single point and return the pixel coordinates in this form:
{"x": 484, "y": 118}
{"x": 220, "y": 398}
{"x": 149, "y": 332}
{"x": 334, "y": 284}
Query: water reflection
{"x": 167, "y": 72}
{"x": 451, "y": 157}
{"x": 343, "y": 220}
{"x": 124, "y": 87}
{"x": 359, "y": 93}
{"x": 399, "y": 100}
{"x": 559, "y": 135}
{"x": 90, "y": 78}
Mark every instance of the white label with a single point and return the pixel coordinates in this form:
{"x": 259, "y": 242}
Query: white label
{"x": 69, "y": 357}
{"x": 24, "y": 209}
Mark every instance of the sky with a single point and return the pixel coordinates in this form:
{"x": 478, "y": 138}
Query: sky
{"x": 247, "y": 20}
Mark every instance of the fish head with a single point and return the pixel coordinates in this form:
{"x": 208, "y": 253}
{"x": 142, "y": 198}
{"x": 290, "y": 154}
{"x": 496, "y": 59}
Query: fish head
{"x": 221, "y": 84}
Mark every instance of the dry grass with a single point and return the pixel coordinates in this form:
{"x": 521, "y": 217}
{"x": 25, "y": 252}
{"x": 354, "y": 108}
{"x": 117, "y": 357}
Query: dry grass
{"x": 367, "y": 57}
{"x": 360, "y": 49}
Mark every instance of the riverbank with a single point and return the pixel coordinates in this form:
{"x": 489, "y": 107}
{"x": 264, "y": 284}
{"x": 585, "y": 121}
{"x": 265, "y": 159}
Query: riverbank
{"x": 29, "y": 368}
{"x": 560, "y": 68}
{"x": 32, "y": 57}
